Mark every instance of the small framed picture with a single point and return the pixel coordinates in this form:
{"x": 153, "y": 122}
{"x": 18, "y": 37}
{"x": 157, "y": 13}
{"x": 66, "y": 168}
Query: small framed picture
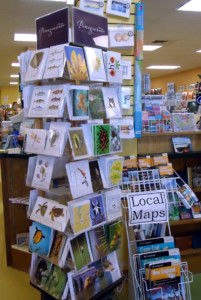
{"x": 126, "y": 69}
{"x": 119, "y": 8}
{"x": 121, "y": 36}
{"x": 95, "y": 6}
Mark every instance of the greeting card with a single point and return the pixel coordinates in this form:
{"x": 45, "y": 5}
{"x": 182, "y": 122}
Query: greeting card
{"x": 113, "y": 67}
{"x": 43, "y": 172}
{"x": 126, "y": 69}
{"x": 98, "y": 243}
{"x": 96, "y": 104}
{"x": 114, "y": 232}
{"x": 80, "y": 251}
{"x": 78, "y": 143}
{"x": 111, "y": 168}
{"x": 79, "y": 215}
{"x": 57, "y": 247}
{"x": 115, "y": 140}
{"x": 126, "y": 97}
{"x": 78, "y": 104}
{"x": 111, "y": 100}
{"x": 120, "y": 8}
{"x": 121, "y": 36}
{"x": 101, "y": 137}
{"x": 96, "y": 69}
{"x": 36, "y": 65}
{"x": 56, "y": 101}
{"x": 93, "y": 6}
{"x": 76, "y": 63}
{"x": 35, "y": 141}
{"x": 39, "y": 101}
{"x": 126, "y": 127}
{"x": 113, "y": 204}
{"x": 97, "y": 210}
{"x": 89, "y": 29}
{"x": 95, "y": 174}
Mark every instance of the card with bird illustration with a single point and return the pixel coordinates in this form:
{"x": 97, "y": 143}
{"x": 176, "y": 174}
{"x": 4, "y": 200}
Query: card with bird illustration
{"x": 95, "y": 64}
{"x": 79, "y": 98}
{"x": 97, "y": 210}
{"x": 78, "y": 143}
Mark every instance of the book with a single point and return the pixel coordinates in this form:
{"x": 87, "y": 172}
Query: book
{"x": 121, "y": 36}
{"x": 112, "y": 200}
{"x": 95, "y": 65}
{"x": 196, "y": 211}
{"x": 113, "y": 67}
{"x": 120, "y": 8}
{"x": 98, "y": 243}
{"x": 80, "y": 251}
{"x": 94, "y": 6}
{"x": 50, "y": 213}
{"x": 97, "y": 210}
{"x": 79, "y": 211}
{"x": 185, "y": 213}
{"x": 78, "y": 104}
{"x": 35, "y": 141}
{"x": 155, "y": 244}
{"x": 78, "y": 143}
{"x": 76, "y": 63}
{"x": 111, "y": 101}
{"x": 96, "y": 104}
{"x": 147, "y": 231}
{"x": 182, "y": 144}
{"x": 40, "y": 238}
{"x": 89, "y": 29}
{"x": 101, "y": 137}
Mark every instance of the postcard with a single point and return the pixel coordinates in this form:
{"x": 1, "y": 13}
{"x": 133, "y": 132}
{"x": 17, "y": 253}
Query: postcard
{"x": 126, "y": 69}
{"x": 39, "y": 101}
{"x": 121, "y": 36}
{"x": 35, "y": 141}
{"x": 56, "y": 101}
{"x": 113, "y": 204}
{"x": 96, "y": 104}
{"x": 113, "y": 67}
{"x": 120, "y": 8}
{"x": 96, "y": 69}
{"x": 80, "y": 251}
{"x": 76, "y": 63}
{"x": 79, "y": 215}
{"x": 126, "y": 97}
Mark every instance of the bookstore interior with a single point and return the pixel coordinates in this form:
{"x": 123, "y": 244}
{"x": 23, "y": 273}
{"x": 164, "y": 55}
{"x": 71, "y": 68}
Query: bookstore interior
{"x": 100, "y": 151}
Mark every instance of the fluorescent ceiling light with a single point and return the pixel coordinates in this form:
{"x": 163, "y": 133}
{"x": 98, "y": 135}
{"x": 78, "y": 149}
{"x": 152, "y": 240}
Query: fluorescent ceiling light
{"x": 14, "y": 76}
{"x": 15, "y": 65}
{"x": 192, "y": 5}
{"x": 151, "y": 47}
{"x": 24, "y": 37}
{"x": 56, "y": 0}
{"x": 13, "y": 82}
{"x": 198, "y": 51}
{"x": 160, "y": 67}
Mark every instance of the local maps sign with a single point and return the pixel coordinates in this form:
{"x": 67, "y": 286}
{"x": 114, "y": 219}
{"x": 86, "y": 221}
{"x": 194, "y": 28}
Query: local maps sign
{"x": 148, "y": 207}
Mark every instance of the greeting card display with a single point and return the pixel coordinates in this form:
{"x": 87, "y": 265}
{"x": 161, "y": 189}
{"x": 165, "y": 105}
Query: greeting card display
{"x": 94, "y": 6}
{"x": 76, "y": 63}
{"x": 96, "y": 104}
{"x": 113, "y": 67}
{"x": 78, "y": 143}
{"x": 50, "y": 213}
{"x": 35, "y": 141}
{"x": 97, "y": 210}
{"x": 96, "y": 69}
{"x": 56, "y": 61}
{"x": 78, "y": 104}
{"x": 39, "y": 101}
{"x": 111, "y": 100}
{"x": 36, "y": 65}
{"x": 52, "y": 29}
{"x": 121, "y": 36}
{"x": 43, "y": 172}
{"x": 79, "y": 211}
{"x": 101, "y": 137}
{"x": 120, "y": 8}
{"x": 79, "y": 178}
{"x": 89, "y": 29}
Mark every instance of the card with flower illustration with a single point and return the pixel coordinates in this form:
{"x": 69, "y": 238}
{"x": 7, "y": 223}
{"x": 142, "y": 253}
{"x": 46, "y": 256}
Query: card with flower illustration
{"x": 121, "y": 36}
{"x": 76, "y": 63}
{"x": 43, "y": 172}
{"x": 96, "y": 69}
{"x": 101, "y": 137}
{"x": 111, "y": 168}
{"x": 94, "y": 6}
{"x": 35, "y": 141}
{"x": 96, "y": 104}
{"x": 115, "y": 140}
{"x": 79, "y": 215}
{"x": 78, "y": 104}
{"x": 36, "y": 65}
{"x": 120, "y": 8}
{"x": 78, "y": 143}
{"x": 79, "y": 178}
{"x": 111, "y": 100}
{"x": 39, "y": 101}
{"x": 97, "y": 210}
{"x": 113, "y": 67}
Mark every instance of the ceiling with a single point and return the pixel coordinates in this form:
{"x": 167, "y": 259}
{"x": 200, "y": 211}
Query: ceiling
{"x": 162, "y": 22}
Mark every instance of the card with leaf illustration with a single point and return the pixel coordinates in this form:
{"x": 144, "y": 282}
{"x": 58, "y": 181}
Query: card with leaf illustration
{"x": 96, "y": 179}
{"x": 39, "y": 101}
{"x": 115, "y": 140}
{"x": 76, "y": 63}
{"x": 78, "y": 143}
{"x": 94, "y": 59}
{"x": 111, "y": 100}
{"x": 35, "y": 141}
{"x": 96, "y": 104}
{"x": 78, "y": 106}
{"x": 98, "y": 243}
{"x": 101, "y": 137}
{"x": 79, "y": 215}
{"x": 80, "y": 251}
{"x": 113, "y": 67}
{"x": 97, "y": 210}
{"x": 94, "y": 6}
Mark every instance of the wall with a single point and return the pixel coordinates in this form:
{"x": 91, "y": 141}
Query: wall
{"x": 12, "y": 92}
{"x": 180, "y": 78}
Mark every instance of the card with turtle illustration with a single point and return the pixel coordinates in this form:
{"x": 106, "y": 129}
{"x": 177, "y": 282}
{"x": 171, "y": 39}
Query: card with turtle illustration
{"x": 78, "y": 143}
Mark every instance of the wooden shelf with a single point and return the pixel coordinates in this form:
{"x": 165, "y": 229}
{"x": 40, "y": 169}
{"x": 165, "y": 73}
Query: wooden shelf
{"x": 185, "y": 222}
{"x": 191, "y": 251}
{"x": 22, "y": 248}
{"x": 196, "y": 190}
{"x": 172, "y": 133}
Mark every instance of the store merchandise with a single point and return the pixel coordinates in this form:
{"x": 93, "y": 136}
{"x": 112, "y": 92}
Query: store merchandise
{"x": 79, "y": 211}
{"x": 121, "y": 36}
{"x": 120, "y": 8}
{"x": 113, "y": 66}
{"x": 96, "y": 7}
{"x": 95, "y": 64}
{"x": 78, "y": 102}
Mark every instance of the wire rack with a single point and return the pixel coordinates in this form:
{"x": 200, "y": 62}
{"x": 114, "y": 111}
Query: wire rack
{"x": 157, "y": 125}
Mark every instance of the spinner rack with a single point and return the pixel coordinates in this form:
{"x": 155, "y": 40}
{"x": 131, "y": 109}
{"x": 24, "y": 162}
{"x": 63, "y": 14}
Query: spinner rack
{"x": 141, "y": 181}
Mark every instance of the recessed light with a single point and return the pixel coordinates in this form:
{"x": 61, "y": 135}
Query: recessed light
{"x": 15, "y": 65}
{"x": 24, "y": 37}
{"x": 150, "y": 47}
{"x": 14, "y": 82}
{"x": 192, "y": 5}
{"x": 198, "y": 51}
{"x": 161, "y": 67}
{"x": 14, "y": 76}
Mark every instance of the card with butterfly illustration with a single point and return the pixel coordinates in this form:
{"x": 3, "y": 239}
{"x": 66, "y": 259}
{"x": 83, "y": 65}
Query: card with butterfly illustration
{"x": 78, "y": 143}
{"x": 78, "y": 104}
{"x": 95, "y": 64}
{"x": 35, "y": 141}
{"x": 113, "y": 67}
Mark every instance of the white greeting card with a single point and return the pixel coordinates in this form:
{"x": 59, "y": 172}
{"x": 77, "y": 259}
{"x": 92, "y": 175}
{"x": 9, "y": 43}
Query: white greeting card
{"x": 50, "y": 213}
{"x": 35, "y": 141}
{"x": 43, "y": 172}
{"x": 95, "y": 65}
{"x": 120, "y": 8}
{"x": 36, "y": 66}
{"x": 126, "y": 127}
{"x": 79, "y": 178}
{"x": 27, "y": 95}
{"x": 113, "y": 67}
{"x": 126, "y": 97}
{"x": 126, "y": 69}
{"x": 78, "y": 102}
{"x": 113, "y": 204}
{"x": 33, "y": 195}
{"x": 56, "y": 101}
{"x": 39, "y": 101}
{"x": 121, "y": 36}
{"x": 111, "y": 168}
{"x": 56, "y": 138}
{"x": 111, "y": 100}
{"x": 30, "y": 170}
{"x": 56, "y": 61}
{"x": 94, "y": 6}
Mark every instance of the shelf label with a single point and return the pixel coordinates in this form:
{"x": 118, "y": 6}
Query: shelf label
{"x": 148, "y": 207}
